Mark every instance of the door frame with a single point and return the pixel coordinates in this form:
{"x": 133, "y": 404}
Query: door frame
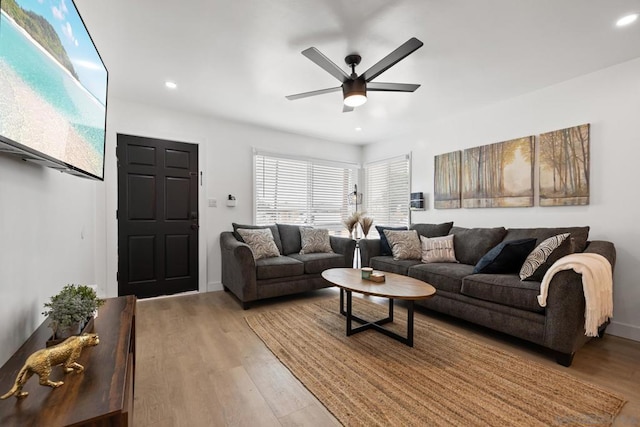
{"x": 108, "y": 217}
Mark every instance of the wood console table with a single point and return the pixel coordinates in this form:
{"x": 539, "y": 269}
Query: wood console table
{"x": 102, "y": 395}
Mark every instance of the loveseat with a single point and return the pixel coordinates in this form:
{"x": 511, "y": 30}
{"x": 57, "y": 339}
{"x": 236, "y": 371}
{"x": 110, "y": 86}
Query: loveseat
{"x": 502, "y": 302}
{"x": 288, "y": 272}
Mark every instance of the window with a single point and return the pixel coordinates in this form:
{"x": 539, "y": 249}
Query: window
{"x": 302, "y": 191}
{"x": 387, "y": 191}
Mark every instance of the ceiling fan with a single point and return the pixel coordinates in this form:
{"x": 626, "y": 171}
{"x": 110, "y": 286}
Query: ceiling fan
{"x": 354, "y": 87}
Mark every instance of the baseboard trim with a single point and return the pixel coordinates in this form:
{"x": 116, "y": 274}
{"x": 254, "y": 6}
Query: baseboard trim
{"x": 214, "y": 286}
{"x": 624, "y": 330}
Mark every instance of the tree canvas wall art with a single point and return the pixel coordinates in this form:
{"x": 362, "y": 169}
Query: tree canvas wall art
{"x": 498, "y": 175}
{"x": 564, "y": 167}
{"x": 446, "y": 180}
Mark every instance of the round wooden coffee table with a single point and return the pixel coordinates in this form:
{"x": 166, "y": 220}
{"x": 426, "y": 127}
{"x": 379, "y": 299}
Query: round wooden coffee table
{"x": 395, "y": 286}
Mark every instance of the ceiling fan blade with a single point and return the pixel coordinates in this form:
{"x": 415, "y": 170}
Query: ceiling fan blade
{"x": 313, "y": 93}
{"x": 326, "y": 64}
{"x": 393, "y": 58}
{"x": 391, "y": 87}
{"x": 347, "y": 109}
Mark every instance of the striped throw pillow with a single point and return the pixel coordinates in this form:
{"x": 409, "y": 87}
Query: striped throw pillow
{"x": 261, "y": 242}
{"x": 537, "y": 260}
{"x": 404, "y": 244}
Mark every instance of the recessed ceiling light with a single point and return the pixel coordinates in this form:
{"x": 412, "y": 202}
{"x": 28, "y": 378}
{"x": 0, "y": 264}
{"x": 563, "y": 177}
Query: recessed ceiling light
{"x": 627, "y": 20}
{"x": 358, "y": 129}
{"x": 170, "y": 85}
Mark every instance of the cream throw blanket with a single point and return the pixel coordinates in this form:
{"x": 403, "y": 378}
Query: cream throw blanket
{"x": 597, "y": 285}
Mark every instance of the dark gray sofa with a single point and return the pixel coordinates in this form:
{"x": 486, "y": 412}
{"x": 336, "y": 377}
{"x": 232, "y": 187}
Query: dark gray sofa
{"x": 502, "y": 301}
{"x": 291, "y": 272}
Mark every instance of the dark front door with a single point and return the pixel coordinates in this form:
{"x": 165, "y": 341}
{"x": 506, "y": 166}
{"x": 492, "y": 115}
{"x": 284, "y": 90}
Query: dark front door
{"x": 157, "y": 216}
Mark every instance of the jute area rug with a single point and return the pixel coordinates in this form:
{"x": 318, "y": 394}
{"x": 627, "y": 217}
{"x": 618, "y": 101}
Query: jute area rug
{"x": 446, "y": 379}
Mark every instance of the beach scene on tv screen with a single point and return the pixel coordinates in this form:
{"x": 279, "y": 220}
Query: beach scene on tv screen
{"x": 53, "y": 85}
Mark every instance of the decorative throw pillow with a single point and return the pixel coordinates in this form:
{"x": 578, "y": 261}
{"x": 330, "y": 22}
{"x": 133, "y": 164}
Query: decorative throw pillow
{"x": 385, "y": 249}
{"x": 315, "y": 240}
{"x": 539, "y": 260}
{"x": 438, "y": 249}
{"x": 261, "y": 242}
{"x": 506, "y": 257}
{"x": 273, "y": 228}
{"x": 404, "y": 244}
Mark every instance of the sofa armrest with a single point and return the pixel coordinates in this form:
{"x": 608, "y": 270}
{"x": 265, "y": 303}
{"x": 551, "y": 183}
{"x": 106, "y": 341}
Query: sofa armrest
{"x": 238, "y": 267}
{"x": 368, "y": 249}
{"x": 604, "y": 248}
{"x": 564, "y": 320}
{"x": 344, "y": 246}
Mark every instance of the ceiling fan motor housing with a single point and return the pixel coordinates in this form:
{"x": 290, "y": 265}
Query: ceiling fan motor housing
{"x": 354, "y": 87}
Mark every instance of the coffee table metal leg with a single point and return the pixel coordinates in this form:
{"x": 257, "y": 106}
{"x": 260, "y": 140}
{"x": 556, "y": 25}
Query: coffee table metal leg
{"x": 377, "y": 325}
{"x": 410, "y": 324}
{"x": 349, "y": 330}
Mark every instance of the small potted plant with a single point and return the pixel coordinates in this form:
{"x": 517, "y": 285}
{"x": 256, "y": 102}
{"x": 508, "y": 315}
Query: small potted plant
{"x": 71, "y": 309}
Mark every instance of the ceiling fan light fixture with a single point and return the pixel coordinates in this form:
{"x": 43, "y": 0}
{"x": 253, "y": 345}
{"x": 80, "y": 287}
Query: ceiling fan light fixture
{"x": 355, "y": 100}
{"x": 355, "y": 92}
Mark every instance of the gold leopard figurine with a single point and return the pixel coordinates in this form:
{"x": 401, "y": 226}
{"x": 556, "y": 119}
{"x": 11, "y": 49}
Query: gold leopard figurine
{"x": 66, "y": 353}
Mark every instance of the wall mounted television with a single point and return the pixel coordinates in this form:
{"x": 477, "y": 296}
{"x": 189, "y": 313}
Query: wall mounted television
{"x": 53, "y": 87}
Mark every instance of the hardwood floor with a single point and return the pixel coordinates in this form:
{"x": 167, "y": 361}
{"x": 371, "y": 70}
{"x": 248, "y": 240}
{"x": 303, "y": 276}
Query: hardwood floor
{"x": 199, "y": 364}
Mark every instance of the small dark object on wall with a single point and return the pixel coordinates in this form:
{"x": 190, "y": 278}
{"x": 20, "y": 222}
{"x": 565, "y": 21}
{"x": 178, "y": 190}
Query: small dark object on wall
{"x": 417, "y": 201}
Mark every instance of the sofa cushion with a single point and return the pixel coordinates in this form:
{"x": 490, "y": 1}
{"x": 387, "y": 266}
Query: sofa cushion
{"x": 318, "y": 262}
{"x": 503, "y": 289}
{"x": 315, "y": 240}
{"x": 507, "y": 257}
{"x": 260, "y": 241}
{"x": 442, "y": 276}
{"x": 579, "y": 235}
{"x": 290, "y": 237}
{"x": 385, "y": 248}
{"x": 544, "y": 255}
{"x": 432, "y": 230}
{"x": 281, "y": 266}
{"x": 404, "y": 244}
{"x": 273, "y": 228}
{"x": 471, "y": 244}
{"x": 387, "y": 263}
{"x": 438, "y": 249}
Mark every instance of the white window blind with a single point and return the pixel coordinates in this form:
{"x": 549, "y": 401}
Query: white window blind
{"x": 387, "y": 191}
{"x": 302, "y": 191}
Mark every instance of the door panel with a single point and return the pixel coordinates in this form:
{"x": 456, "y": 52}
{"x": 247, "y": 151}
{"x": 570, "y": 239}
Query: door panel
{"x": 142, "y": 259}
{"x": 177, "y": 256}
{"x": 177, "y": 201}
{"x": 141, "y": 198}
{"x": 157, "y": 216}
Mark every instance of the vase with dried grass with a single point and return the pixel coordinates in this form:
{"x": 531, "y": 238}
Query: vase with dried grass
{"x": 365, "y": 224}
{"x": 351, "y": 223}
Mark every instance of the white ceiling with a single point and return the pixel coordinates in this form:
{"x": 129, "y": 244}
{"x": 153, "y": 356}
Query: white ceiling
{"x": 238, "y": 59}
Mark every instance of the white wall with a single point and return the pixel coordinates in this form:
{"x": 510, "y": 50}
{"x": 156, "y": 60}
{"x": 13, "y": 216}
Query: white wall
{"x": 47, "y": 240}
{"x": 610, "y": 101}
{"x": 227, "y": 164}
